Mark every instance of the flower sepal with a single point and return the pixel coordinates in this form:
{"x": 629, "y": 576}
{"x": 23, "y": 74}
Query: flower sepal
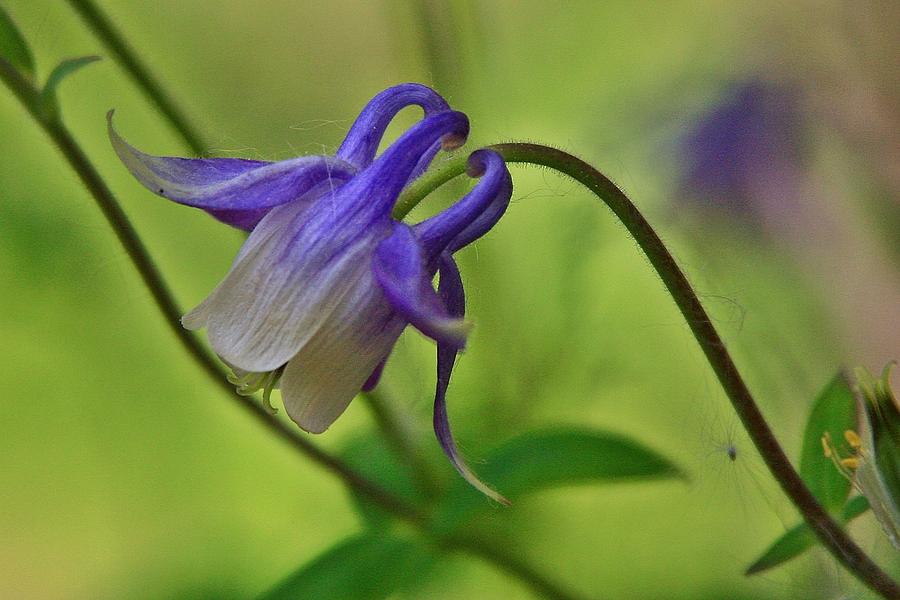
{"x": 878, "y": 472}
{"x": 874, "y": 461}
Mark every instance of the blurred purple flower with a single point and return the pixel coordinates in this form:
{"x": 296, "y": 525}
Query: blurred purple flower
{"x": 327, "y": 279}
{"x": 745, "y": 154}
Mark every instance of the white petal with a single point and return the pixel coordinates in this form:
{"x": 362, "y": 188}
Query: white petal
{"x": 197, "y": 317}
{"x": 329, "y": 371}
{"x": 296, "y": 269}
{"x": 267, "y": 228}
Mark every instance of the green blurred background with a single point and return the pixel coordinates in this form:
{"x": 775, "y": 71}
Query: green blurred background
{"x": 124, "y": 473}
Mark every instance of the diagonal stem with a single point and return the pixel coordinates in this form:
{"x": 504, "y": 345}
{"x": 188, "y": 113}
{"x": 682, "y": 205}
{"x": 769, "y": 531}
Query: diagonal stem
{"x": 128, "y": 237}
{"x": 830, "y": 534}
{"x": 104, "y": 29}
{"x": 509, "y": 562}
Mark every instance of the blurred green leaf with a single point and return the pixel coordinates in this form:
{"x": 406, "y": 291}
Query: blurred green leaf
{"x": 547, "y": 459}
{"x": 62, "y": 70}
{"x": 371, "y": 456}
{"x": 801, "y": 538}
{"x": 834, "y": 411}
{"x": 13, "y": 46}
{"x": 372, "y": 565}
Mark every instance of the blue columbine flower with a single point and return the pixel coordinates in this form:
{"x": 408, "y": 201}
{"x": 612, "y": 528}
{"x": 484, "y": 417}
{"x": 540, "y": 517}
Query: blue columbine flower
{"x": 327, "y": 279}
{"x": 746, "y": 153}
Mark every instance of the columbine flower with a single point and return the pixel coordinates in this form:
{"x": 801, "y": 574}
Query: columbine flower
{"x": 327, "y": 279}
{"x": 744, "y": 154}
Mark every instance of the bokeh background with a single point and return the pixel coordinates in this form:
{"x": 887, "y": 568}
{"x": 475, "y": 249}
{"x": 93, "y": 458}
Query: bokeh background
{"x": 761, "y": 139}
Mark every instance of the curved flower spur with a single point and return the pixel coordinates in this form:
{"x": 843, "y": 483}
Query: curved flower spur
{"x": 327, "y": 279}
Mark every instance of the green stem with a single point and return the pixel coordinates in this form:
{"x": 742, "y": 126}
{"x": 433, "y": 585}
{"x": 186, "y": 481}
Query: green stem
{"x": 128, "y": 237}
{"x": 115, "y": 43}
{"x": 396, "y": 432}
{"x": 440, "y": 38}
{"x": 826, "y": 529}
{"x": 510, "y": 563}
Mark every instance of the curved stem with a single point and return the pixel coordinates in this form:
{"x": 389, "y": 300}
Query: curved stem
{"x": 826, "y": 529}
{"x": 115, "y": 43}
{"x": 128, "y": 237}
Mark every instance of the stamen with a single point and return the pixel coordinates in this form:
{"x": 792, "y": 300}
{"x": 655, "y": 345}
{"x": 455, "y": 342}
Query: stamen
{"x": 826, "y": 445}
{"x": 852, "y": 439}
{"x": 271, "y": 383}
{"x": 846, "y": 466}
{"x": 851, "y": 463}
{"x": 247, "y": 383}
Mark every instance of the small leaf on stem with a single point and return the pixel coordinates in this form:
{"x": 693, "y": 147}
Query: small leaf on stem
{"x": 49, "y": 103}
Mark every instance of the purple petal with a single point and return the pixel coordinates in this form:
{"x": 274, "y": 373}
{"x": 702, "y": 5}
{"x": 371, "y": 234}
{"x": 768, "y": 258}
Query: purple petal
{"x": 476, "y": 213}
{"x": 372, "y": 193}
{"x": 425, "y": 161}
{"x": 242, "y": 219}
{"x": 451, "y": 292}
{"x": 228, "y": 187}
{"x": 372, "y": 382}
{"x": 399, "y": 267}
{"x": 365, "y": 135}
{"x": 450, "y": 286}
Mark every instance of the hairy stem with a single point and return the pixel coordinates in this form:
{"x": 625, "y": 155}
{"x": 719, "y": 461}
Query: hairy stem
{"x": 104, "y": 29}
{"x": 140, "y": 257}
{"x": 830, "y": 534}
